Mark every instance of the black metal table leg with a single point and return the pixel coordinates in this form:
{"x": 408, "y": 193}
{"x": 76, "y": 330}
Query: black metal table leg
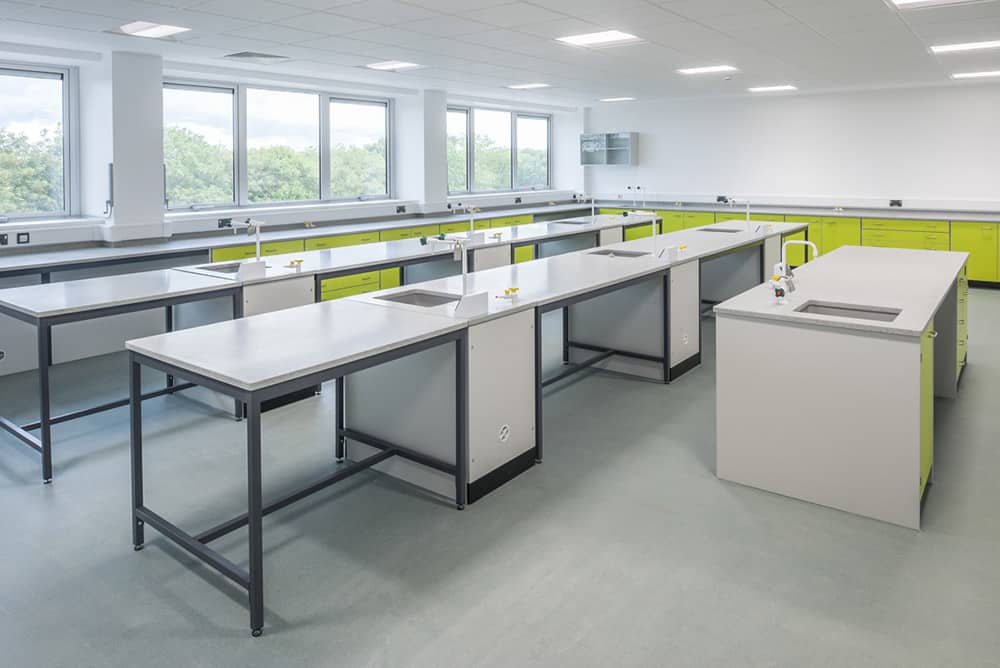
{"x": 666, "y": 326}
{"x": 239, "y": 410}
{"x": 565, "y": 329}
{"x": 461, "y": 430}
{"x": 255, "y": 516}
{"x": 44, "y": 413}
{"x": 538, "y": 386}
{"x": 135, "y": 440}
{"x": 169, "y": 326}
{"x": 339, "y": 450}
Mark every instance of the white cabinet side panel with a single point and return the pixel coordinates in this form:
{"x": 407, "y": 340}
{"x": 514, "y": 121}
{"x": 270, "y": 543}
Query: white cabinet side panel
{"x": 824, "y": 415}
{"x": 685, "y": 312}
{"x": 277, "y": 295}
{"x": 491, "y": 257}
{"x": 730, "y": 274}
{"x": 613, "y": 235}
{"x": 501, "y": 391}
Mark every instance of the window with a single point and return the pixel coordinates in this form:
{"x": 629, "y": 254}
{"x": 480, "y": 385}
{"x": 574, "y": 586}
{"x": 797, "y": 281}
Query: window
{"x": 282, "y": 146}
{"x": 458, "y": 150}
{"x": 358, "y": 150}
{"x": 33, "y": 128}
{"x": 510, "y": 150}
{"x": 532, "y": 151}
{"x": 198, "y": 154}
{"x": 491, "y": 154}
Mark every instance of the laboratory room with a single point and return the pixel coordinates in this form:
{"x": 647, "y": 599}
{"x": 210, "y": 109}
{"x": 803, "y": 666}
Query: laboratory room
{"x": 499, "y": 333}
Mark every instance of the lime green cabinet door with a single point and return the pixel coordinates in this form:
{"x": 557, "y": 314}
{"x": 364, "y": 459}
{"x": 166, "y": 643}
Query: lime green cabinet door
{"x": 233, "y": 253}
{"x": 610, "y": 212}
{"x": 526, "y": 219}
{"x": 673, "y": 221}
{"x": 281, "y": 247}
{"x": 815, "y": 230}
{"x": 839, "y": 232}
{"x": 390, "y": 278}
{"x": 796, "y": 254}
{"x": 698, "y": 218}
{"x": 524, "y": 254}
{"x": 979, "y": 240}
{"x": 926, "y": 405}
{"x": 638, "y": 232}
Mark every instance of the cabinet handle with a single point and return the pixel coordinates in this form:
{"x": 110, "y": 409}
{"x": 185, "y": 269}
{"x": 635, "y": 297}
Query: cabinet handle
{"x": 934, "y": 335}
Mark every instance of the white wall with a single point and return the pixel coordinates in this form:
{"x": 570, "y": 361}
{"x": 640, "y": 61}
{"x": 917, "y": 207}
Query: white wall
{"x": 566, "y": 172}
{"x": 938, "y": 148}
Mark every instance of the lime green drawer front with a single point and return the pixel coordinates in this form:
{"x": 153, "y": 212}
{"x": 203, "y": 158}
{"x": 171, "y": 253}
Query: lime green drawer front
{"x": 698, "y": 218}
{"x": 796, "y": 255}
{"x": 453, "y": 228}
{"x": 526, "y": 219}
{"x": 839, "y": 232}
{"x": 341, "y": 240}
{"x": 365, "y": 278}
{"x": 903, "y": 225}
{"x": 926, "y": 404}
{"x": 502, "y": 221}
{"x": 396, "y": 235}
{"x": 390, "y": 278}
{"x": 673, "y": 221}
{"x": 611, "y": 212}
{"x": 803, "y": 219}
{"x": 979, "y": 240}
{"x": 281, "y": 247}
{"x": 524, "y": 254}
{"x": 767, "y": 217}
{"x": 348, "y": 292}
{"x": 234, "y": 253}
{"x": 911, "y": 240}
{"x": 638, "y": 232}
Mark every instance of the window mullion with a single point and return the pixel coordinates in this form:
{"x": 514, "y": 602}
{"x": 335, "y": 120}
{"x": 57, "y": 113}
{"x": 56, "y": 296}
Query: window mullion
{"x": 324, "y": 147}
{"x": 240, "y": 144}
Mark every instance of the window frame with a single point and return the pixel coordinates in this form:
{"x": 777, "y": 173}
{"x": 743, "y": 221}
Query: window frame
{"x": 203, "y": 206}
{"x": 325, "y": 183}
{"x": 323, "y": 99}
{"x": 70, "y": 137}
{"x": 470, "y": 150}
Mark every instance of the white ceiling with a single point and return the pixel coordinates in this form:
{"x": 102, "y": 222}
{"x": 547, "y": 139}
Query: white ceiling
{"x": 474, "y": 48}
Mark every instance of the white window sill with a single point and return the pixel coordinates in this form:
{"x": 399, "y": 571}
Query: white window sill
{"x": 288, "y": 208}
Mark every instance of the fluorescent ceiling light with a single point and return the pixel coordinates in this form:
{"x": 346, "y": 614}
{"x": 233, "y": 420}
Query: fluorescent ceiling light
{"x": 529, "y": 86}
{"x": 392, "y": 66}
{"x": 712, "y": 69}
{"x": 617, "y": 99}
{"x": 771, "y": 89}
{"x": 915, "y": 4}
{"x": 598, "y": 38}
{"x": 154, "y": 30}
{"x": 967, "y": 46}
{"x": 975, "y": 75}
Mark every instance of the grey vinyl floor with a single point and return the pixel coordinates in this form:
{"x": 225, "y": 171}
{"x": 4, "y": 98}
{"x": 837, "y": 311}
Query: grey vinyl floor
{"x": 622, "y": 549}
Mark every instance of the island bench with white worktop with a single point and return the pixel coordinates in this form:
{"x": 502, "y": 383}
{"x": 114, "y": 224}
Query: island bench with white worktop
{"x": 464, "y": 389}
{"x": 836, "y": 403}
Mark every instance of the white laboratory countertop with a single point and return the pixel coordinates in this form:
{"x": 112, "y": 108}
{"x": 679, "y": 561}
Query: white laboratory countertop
{"x": 52, "y": 299}
{"x": 913, "y": 281}
{"x": 363, "y": 256}
{"x": 53, "y": 258}
{"x": 894, "y": 213}
{"x": 565, "y": 276}
{"x": 254, "y": 353}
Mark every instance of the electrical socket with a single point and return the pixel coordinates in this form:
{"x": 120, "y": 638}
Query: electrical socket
{"x": 400, "y": 209}
{"x": 896, "y": 202}
{"x": 23, "y": 237}
{"x": 225, "y": 222}
{"x": 3, "y": 239}
{"x": 517, "y": 200}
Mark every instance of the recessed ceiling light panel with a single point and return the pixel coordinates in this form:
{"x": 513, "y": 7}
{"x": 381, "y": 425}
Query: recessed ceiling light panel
{"x": 603, "y": 38}
{"x": 965, "y": 46}
{"x": 711, "y": 69}
{"x": 152, "y": 30}
{"x": 529, "y": 86}
{"x": 772, "y": 89}
{"x": 917, "y": 4}
{"x": 393, "y": 66}
{"x": 976, "y": 75}
{"x": 617, "y": 99}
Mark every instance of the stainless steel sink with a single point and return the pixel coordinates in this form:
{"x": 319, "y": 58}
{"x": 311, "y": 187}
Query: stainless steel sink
{"x": 228, "y": 268}
{"x": 879, "y": 313}
{"x": 618, "y": 253}
{"x": 423, "y": 298}
{"x": 720, "y": 229}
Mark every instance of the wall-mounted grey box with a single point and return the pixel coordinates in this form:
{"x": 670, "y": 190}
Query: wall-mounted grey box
{"x": 609, "y": 148}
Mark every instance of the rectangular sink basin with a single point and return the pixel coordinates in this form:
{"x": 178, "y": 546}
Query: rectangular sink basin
{"x": 228, "y": 268}
{"x": 721, "y": 229}
{"x": 618, "y": 253}
{"x": 878, "y": 313}
{"x": 422, "y": 298}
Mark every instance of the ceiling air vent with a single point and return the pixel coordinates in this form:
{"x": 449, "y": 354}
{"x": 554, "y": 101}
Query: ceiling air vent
{"x": 255, "y": 57}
